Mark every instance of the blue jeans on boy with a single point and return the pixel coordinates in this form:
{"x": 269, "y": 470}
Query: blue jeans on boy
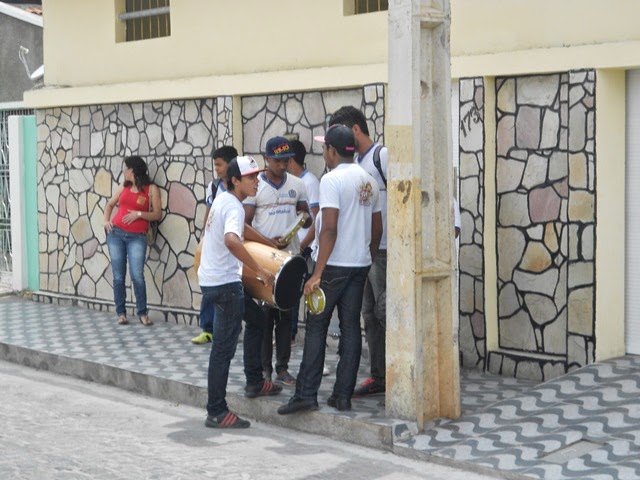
{"x": 231, "y": 305}
{"x": 123, "y": 245}
{"x": 343, "y": 287}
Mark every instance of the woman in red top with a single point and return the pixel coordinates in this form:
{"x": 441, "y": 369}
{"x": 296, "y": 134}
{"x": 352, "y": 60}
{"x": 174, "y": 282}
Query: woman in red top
{"x": 138, "y": 201}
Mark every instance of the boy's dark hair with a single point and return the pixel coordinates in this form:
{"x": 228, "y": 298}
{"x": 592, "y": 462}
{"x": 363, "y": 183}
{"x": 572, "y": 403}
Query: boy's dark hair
{"x": 350, "y": 116}
{"x": 230, "y": 186}
{"x": 140, "y": 171}
{"x": 227, "y": 153}
{"x": 300, "y": 152}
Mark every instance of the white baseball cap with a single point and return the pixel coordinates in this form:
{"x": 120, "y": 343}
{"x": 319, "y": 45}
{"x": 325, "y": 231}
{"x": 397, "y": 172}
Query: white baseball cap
{"x": 241, "y": 166}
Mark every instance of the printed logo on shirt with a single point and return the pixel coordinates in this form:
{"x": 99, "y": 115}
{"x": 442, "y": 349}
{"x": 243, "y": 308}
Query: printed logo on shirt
{"x": 365, "y": 192}
{"x": 292, "y": 193}
{"x": 140, "y": 200}
{"x": 210, "y": 219}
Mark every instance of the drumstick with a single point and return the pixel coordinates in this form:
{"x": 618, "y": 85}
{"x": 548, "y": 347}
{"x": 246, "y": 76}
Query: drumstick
{"x": 293, "y": 229}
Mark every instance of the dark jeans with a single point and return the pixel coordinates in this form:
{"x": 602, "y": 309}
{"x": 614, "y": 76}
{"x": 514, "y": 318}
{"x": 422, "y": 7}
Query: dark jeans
{"x": 374, "y": 314}
{"x": 342, "y": 288}
{"x": 282, "y": 322}
{"x": 230, "y": 305}
{"x": 123, "y": 245}
{"x": 207, "y": 312}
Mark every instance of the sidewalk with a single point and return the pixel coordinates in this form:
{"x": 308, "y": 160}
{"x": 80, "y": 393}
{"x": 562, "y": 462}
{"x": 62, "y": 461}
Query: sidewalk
{"x": 509, "y": 427}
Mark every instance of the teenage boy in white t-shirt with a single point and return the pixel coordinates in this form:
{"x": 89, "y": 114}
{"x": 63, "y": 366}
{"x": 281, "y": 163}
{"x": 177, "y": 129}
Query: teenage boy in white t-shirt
{"x": 349, "y": 228}
{"x": 221, "y": 158}
{"x": 271, "y": 212}
{"x": 220, "y": 276}
{"x": 372, "y": 158}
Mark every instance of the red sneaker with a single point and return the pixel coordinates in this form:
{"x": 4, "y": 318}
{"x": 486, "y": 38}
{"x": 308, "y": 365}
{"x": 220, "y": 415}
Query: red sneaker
{"x": 369, "y": 387}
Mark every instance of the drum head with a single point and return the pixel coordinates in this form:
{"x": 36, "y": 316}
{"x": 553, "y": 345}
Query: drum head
{"x": 290, "y": 283}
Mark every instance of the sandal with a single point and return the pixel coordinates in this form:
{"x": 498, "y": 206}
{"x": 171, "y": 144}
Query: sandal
{"x": 122, "y": 320}
{"x": 145, "y": 320}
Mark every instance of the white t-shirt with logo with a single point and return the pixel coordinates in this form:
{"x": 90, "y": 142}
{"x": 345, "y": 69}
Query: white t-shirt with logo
{"x": 356, "y": 195}
{"x": 218, "y": 266}
{"x": 312, "y": 185}
{"x": 366, "y": 162}
{"x": 276, "y": 207}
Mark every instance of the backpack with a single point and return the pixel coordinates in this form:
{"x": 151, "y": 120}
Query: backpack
{"x": 378, "y": 164}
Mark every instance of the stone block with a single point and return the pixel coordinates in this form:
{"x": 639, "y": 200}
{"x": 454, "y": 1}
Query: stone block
{"x": 511, "y": 244}
{"x": 535, "y": 172}
{"x": 540, "y": 90}
{"x": 513, "y": 210}
{"x": 509, "y": 174}
{"x": 581, "y": 311}
{"x": 544, "y": 283}
{"x": 536, "y": 258}
{"x": 517, "y": 332}
{"x": 581, "y": 206}
{"x": 528, "y": 124}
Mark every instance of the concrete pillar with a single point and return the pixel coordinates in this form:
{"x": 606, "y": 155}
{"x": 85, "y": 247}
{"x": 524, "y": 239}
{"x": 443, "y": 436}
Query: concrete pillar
{"x": 422, "y": 320}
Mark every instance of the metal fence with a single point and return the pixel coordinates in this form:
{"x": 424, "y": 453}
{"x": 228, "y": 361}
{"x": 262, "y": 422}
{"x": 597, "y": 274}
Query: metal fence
{"x": 5, "y": 202}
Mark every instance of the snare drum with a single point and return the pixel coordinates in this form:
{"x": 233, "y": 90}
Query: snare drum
{"x": 290, "y": 272}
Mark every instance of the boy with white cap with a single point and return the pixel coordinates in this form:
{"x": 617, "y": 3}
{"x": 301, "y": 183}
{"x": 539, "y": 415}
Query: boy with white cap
{"x": 220, "y": 275}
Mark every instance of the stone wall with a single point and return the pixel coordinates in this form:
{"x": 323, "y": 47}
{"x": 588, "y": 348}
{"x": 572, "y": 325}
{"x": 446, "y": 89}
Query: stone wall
{"x": 80, "y": 152}
{"x": 545, "y": 186}
{"x": 471, "y": 258}
{"x": 306, "y": 114}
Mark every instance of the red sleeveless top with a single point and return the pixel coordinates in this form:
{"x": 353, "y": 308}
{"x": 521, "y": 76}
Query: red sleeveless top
{"x": 132, "y": 202}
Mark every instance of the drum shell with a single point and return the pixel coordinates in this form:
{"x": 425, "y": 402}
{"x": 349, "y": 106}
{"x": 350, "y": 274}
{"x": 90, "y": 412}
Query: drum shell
{"x": 290, "y": 272}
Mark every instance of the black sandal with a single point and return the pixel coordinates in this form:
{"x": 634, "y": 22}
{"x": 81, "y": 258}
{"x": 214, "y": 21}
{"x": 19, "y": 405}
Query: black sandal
{"x": 122, "y": 320}
{"x": 145, "y": 320}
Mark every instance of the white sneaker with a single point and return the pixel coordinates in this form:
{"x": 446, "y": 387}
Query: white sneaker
{"x": 325, "y": 370}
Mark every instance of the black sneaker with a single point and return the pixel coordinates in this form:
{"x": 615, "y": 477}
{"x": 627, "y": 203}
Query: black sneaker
{"x": 264, "y": 388}
{"x": 296, "y": 404}
{"x": 369, "y": 387}
{"x": 226, "y": 420}
{"x": 339, "y": 403}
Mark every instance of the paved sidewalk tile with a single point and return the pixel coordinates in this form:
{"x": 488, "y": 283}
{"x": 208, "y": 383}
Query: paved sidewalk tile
{"x": 506, "y": 424}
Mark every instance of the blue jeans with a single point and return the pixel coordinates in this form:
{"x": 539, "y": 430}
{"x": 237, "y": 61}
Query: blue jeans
{"x": 343, "y": 287}
{"x": 123, "y": 245}
{"x": 230, "y": 305}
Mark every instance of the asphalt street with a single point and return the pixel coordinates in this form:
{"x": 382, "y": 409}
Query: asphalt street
{"x": 57, "y": 427}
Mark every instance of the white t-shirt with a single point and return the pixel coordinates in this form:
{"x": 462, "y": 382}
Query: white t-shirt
{"x": 366, "y": 162}
{"x": 312, "y": 185}
{"x": 210, "y": 197}
{"x": 276, "y": 207}
{"x": 218, "y": 266}
{"x": 355, "y": 194}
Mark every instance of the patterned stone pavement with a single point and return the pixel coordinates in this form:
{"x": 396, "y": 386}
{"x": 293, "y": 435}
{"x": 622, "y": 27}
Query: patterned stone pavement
{"x": 507, "y": 424}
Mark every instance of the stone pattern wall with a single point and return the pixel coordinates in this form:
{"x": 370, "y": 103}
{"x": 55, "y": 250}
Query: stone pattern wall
{"x": 545, "y": 184}
{"x": 306, "y": 114}
{"x": 471, "y": 196}
{"x": 80, "y": 152}
{"x": 81, "y": 149}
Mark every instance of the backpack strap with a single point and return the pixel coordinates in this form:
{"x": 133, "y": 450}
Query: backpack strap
{"x": 377, "y": 163}
{"x": 214, "y": 190}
